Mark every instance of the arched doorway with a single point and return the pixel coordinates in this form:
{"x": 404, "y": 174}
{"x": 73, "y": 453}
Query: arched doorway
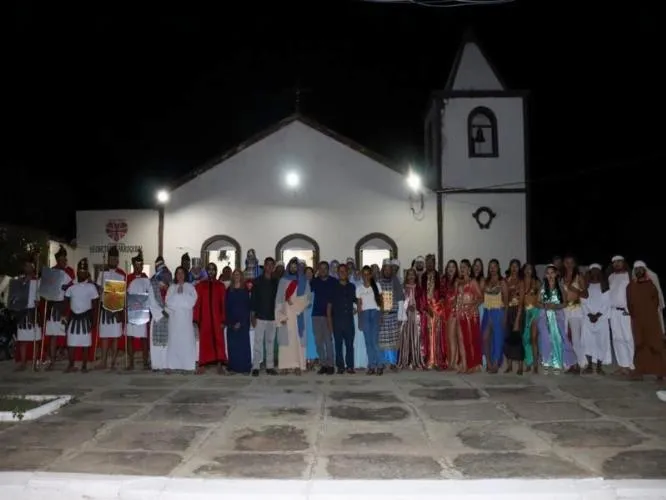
{"x": 300, "y": 246}
{"x": 373, "y": 248}
{"x": 223, "y": 250}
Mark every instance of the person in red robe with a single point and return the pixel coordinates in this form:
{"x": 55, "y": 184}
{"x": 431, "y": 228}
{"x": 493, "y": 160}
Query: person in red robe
{"x": 209, "y": 316}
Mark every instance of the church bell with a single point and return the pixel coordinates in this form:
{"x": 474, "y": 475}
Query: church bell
{"x": 479, "y": 137}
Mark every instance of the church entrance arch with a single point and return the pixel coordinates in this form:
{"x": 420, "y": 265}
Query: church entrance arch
{"x": 222, "y": 250}
{"x": 373, "y": 248}
{"x": 300, "y": 246}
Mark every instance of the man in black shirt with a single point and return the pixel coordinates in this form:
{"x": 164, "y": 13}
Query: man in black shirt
{"x": 340, "y": 315}
{"x": 262, "y": 307}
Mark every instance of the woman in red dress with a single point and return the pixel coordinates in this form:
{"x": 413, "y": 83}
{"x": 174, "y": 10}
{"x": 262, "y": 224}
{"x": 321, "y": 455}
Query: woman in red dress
{"x": 447, "y": 293}
{"x": 467, "y": 320}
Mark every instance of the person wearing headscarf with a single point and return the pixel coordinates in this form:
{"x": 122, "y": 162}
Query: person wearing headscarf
{"x": 111, "y": 322}
{"x": 643, "y": 306}
{"x": 333, "y": 268}
{"x": 159, "y": 334}
{"x": 55, "y": 309}
{"x": 137, "y": 334}
{"x": 360, "y": 351}
{"x": 389, "y": 331}
{"x": 82, "y": 306}
{"x": 198, "y": 272}
{"x": 293, "y": 297}
{"x": 355, "y": 275}
{"x": 251, "y": 271}
{"x": 554, "y": 346}
{"x": 655, "y": 280}
{"x": 27, "y": 326}
{"x": 620, "y": 321}
{"x": 209, "y": 315}
{"x": 596, "y": 328}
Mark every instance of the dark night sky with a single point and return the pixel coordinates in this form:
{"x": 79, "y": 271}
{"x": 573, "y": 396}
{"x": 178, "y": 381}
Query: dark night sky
{"x": 140, "y": 95}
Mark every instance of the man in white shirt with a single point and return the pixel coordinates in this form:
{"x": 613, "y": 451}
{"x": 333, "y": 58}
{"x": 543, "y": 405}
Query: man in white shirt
{"x": 620, "y": 320}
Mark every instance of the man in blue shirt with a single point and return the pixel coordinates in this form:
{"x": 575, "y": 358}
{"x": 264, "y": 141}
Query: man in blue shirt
{"x": 340, "y": 313}
{"x": 322, "y": 286}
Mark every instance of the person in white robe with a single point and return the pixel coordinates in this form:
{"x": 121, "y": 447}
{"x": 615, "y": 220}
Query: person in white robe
{"x": 159, "y": 328}
{"x": 620, "y": 320}
{"x": 596, "y": 327}
{"x": 181, "y": 298}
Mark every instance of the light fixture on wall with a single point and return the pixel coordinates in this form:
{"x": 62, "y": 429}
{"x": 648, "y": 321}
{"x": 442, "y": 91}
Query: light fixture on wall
{"x": 162, "y": 196}
{"x": 415, "y": 185}
{"x": 292, "y": 180}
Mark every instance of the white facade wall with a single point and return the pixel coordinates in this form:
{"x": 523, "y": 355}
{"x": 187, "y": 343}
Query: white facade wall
{"x": 504, "y": 240}
{"x": 343, "y": 196}
{"x": 92, "y": 238}
{"x": 505, "y": 171}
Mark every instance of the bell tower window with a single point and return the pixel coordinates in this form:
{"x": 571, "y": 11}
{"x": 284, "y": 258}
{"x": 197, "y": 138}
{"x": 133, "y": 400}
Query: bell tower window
{"x": 482, "y": 133}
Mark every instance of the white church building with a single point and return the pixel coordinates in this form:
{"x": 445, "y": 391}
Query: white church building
{"x": 300, "y": 189}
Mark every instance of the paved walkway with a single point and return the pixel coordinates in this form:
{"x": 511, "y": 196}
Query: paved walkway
{"x": 399, "y": 426}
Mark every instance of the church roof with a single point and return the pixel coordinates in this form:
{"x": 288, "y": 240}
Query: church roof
{"x": 280, "y": 125}
{"x": 470, "y": 38}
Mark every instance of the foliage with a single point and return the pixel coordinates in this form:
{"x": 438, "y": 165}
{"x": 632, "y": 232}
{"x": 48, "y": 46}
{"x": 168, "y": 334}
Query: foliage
{"x": 16, "y": 243}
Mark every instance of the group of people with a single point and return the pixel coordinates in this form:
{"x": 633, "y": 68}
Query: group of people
{"x": 338, "y": 317}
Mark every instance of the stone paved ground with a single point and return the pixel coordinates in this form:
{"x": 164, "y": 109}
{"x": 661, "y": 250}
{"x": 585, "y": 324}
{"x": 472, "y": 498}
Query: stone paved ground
{"x": 404, "y": 426}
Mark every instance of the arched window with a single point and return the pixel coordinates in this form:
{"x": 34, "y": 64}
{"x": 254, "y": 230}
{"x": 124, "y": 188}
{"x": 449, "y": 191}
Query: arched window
{"x": 482, "y": 133}
{"x": 373, "y": 248}
{"x": 223, "y": 251}
{"x": 300, "y": 246}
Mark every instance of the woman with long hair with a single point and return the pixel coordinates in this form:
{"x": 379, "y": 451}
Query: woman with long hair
{"x": 181, "y": 297}
{"x": 529, "y": 291}
{"x": 369, "y": 310}
{"x": 311, "y": 357}
{"x": 237, "y": 306}
{"x": 554, "y": 345}
{"x": 448, "y": 293}
{"x": 513, "y": 344}
{"x": 494, "y": 300}
{"x": 410, "y": 339}
{"x": 479, "y": 277}
{"x": 575, "y": 289}
{"x": 470, "y": 351}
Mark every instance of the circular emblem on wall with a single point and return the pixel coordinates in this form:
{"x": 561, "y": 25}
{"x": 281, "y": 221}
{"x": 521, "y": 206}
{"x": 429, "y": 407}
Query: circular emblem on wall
{"x": 116, "y": 229}
{"x": 484, "y": 217}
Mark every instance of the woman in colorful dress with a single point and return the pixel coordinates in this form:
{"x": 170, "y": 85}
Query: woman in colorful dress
{"x": 311, "y": 359}
{"x": 574, "y": 289}
{"x": 448, "y": 293}
{"x": 410, "y": 339}
{"x": 477, "y": 274}
{"x": 470, "y": 349}
{"x": 530, "y": 287}
{"x": 494, "y": 301}
{"x": 237, "y": 316}
{"x": 554, "y": 346}
{"x": 513, "y": 344}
